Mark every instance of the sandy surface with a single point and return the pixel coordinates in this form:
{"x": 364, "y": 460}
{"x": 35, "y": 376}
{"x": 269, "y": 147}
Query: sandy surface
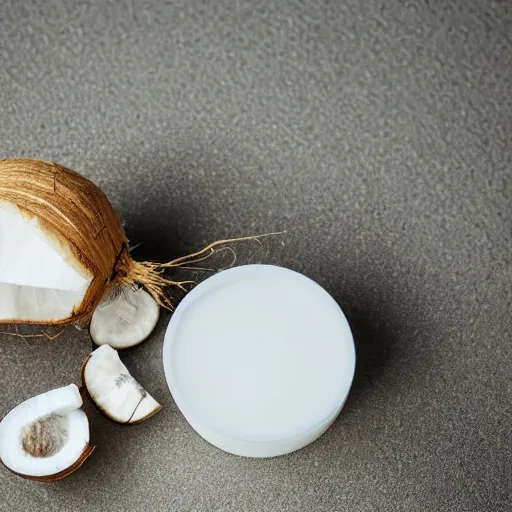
{"x": 378, "y": 135}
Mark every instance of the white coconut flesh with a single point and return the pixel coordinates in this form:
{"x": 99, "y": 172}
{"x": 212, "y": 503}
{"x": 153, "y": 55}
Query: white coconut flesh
{"x": 46, "y": 434}
{"x": 114, "y": 390}
{"x": 125, "y": 318}
{"x": 38, "y": 283}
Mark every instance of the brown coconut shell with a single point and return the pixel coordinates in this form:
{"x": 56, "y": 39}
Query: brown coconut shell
{"x": 65, "y": 472}
{"x": 76, "y": 218}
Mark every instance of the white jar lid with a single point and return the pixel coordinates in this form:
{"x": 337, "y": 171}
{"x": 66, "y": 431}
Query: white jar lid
{"x": 259, "y": 359}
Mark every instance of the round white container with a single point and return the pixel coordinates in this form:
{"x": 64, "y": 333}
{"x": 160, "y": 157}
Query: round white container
{"x": 259, "y": 359}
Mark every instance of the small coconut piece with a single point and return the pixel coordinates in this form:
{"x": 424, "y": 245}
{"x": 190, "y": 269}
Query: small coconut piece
{"x": 125, "y": 318}
{"x": 47, "y": 436}
{"x": 114, "y": 391}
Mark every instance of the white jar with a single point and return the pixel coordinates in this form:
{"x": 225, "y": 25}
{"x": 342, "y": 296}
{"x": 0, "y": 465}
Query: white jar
{"x": 259, "y": 359}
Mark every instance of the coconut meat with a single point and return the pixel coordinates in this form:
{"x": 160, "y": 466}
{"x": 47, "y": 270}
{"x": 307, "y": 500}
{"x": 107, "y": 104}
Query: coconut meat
{"x": 114, "y": 390}
{"x": 125, "y": 318}
{"x": 38, "y": 283}
{"x": 46, "y": 434}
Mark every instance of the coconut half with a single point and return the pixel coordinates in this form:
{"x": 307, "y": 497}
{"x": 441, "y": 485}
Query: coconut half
{"x": 125, "y": 318}
{"x": 60, "y": 240}
{"x": 47, "y": 436}
{"x": 114, "y": 391}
